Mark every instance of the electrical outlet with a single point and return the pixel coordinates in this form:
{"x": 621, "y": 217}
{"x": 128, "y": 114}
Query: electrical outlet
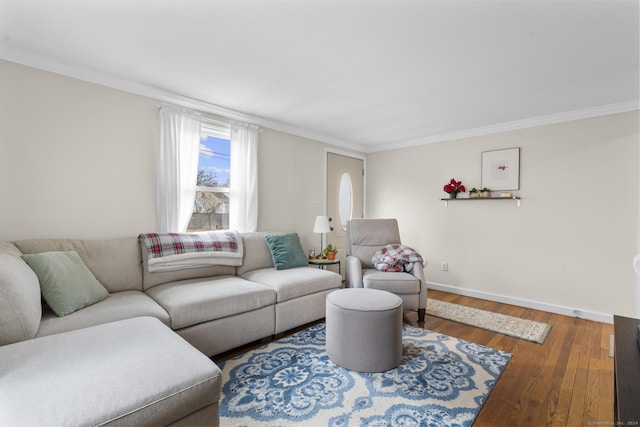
{"x": 445, "y": 266}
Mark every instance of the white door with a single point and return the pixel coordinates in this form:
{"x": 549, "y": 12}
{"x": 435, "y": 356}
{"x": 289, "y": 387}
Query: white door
{"x": 345, "y": 197}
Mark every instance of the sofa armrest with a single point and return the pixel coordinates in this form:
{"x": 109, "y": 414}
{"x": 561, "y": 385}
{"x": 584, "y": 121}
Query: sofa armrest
{"x": 353, "y": 272}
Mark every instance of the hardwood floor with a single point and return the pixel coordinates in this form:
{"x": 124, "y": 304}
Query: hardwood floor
{"x": 567, "y": 381}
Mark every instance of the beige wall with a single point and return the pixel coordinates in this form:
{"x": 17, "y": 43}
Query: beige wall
{"x": 78, "y": 160}
{"x": 291, "y": 185}
{"x": 570, "y": 243}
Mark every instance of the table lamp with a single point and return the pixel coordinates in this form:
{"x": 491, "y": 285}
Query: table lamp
{"x": 321, "y": 226}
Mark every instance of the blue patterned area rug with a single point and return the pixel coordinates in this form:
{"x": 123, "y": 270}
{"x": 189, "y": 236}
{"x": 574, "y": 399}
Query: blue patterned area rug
{"x": 441, "y": 381}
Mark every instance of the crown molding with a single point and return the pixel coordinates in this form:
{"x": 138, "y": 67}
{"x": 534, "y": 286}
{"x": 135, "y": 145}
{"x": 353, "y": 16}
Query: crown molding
{"x": 47, "y": 63}
{"x": 56, "y": 66}
{"x": 586, "y": 113}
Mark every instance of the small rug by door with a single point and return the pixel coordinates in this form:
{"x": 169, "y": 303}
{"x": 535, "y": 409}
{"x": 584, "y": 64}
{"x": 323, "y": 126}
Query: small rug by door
{"x": 508, "y": 325}
{"x": 441, "y": 381}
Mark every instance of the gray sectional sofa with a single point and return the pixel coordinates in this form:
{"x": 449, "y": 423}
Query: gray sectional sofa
{"x": 121, "y": 361}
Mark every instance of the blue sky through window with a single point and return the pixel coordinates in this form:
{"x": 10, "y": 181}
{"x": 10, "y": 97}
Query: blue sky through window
{"x": 215, "y": 158}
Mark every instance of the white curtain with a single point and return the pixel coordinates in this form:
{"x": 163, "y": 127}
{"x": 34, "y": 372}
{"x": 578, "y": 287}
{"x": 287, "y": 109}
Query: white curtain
{"x": 177, "y": 167}
{"x": 243, "y": 197}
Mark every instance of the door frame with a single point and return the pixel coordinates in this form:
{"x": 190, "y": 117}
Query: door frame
{"x": 637, "y": 245}
{"x": 328, "y": 150}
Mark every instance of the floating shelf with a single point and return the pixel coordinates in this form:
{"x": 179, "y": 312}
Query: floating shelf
{"x": 475, "y": 199}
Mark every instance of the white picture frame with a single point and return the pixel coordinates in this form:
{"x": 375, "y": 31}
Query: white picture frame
{"x": 501, "y": 169}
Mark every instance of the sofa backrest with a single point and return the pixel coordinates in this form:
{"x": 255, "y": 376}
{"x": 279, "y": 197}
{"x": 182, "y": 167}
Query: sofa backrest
{"x": 256, "y": 252}
{"x": 20, "y": 307}
{"x": 367, "y": 236}
{"x": 115, "y": 263}
{"x": 149, "y": 279}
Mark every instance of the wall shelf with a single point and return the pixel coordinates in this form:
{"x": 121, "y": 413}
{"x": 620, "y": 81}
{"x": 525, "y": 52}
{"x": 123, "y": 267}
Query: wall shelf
{"x": 475, "y": 199}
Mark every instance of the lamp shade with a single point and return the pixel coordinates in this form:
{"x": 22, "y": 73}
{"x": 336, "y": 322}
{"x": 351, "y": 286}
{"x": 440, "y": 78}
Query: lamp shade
{"x": 322, "y": 225}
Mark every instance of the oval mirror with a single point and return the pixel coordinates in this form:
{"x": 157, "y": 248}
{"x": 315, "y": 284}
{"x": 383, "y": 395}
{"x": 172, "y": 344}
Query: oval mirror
{"x": 345, "y": 201}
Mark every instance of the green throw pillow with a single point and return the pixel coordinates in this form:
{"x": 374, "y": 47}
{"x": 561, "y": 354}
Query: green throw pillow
{"x": 286, "y": 251}
{"x": 66, "y": 283}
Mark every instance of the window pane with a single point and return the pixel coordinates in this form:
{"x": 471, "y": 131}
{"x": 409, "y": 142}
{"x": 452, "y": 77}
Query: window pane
{"x": 214, "y": 162}
{"x": 211, "y": 212}
{"x": 211, "y": 208}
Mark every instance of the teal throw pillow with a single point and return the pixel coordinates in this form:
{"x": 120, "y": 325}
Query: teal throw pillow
{"x": 286, "y": 251}
{"x": 66, "y": 283}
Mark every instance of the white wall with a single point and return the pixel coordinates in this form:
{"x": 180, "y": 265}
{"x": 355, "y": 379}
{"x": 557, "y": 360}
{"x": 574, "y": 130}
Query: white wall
{"x": 77, "y": 160}
{"x": 570, "y": 244}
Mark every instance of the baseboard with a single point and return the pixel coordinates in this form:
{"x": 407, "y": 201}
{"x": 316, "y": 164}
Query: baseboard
{"x": 536, "y": 305}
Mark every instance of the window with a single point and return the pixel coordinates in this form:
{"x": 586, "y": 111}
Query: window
{"x": 211, "y": 206}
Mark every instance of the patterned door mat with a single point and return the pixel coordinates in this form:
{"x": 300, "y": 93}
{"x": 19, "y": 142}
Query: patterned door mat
{"x": 508, "y": 325}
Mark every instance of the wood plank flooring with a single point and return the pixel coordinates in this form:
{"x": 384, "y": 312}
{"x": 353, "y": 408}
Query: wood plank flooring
{"x": 567, "y": 381}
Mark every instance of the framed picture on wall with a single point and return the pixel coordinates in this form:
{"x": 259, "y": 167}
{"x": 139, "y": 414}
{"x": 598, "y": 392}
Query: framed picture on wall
{"x": 501, "y": 169}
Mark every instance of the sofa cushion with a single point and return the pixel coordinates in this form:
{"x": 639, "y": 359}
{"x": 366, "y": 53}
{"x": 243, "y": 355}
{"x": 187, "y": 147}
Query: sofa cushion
{"x": 9, "y": 248}
{"x": 194, "y": 301}
{"x": 20, "y": 307}
{"x": 399, "y": 283}
{"x": 132, "y": 372}
{"x": 119, "y": 306}
{"x": 256, "y": 252}
{"x": 295, "y": 282}
{"x": 115, "y": 263}
{"x": 286, "y": 251}
{"x": 66, "y": 283}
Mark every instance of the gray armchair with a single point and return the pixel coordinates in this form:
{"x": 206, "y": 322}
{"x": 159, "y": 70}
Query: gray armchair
{"x": 364, "y": 238}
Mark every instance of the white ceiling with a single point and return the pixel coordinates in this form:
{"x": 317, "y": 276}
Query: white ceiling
{"x": 369, "y": 75}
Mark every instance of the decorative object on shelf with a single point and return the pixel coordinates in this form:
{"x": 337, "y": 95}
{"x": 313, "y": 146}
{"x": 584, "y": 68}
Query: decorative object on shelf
{"x": 321, "y": 226}
{"x": 483, "y": 193}
{"x": 330, "y": 251}
{"x": 501, "y": 169}
{"x": 506, "y": 194}
{"x": 311, "y": 254}
{"x": 454, "y": 187}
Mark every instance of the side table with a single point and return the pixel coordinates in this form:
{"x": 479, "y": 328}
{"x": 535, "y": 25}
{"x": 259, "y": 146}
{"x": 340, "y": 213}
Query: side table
{"x": 322, "y": 263}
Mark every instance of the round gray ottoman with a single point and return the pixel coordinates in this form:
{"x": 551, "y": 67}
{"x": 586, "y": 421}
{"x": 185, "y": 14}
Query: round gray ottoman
{"x": 364, "y": 329}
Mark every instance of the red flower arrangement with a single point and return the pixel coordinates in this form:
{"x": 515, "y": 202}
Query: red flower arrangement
{"x": 454, "y": 187}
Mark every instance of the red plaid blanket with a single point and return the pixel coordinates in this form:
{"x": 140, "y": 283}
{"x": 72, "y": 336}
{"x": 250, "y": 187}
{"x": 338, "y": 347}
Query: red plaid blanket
{"x": 395, "y": 257}
{"x": 176, "y": 251}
